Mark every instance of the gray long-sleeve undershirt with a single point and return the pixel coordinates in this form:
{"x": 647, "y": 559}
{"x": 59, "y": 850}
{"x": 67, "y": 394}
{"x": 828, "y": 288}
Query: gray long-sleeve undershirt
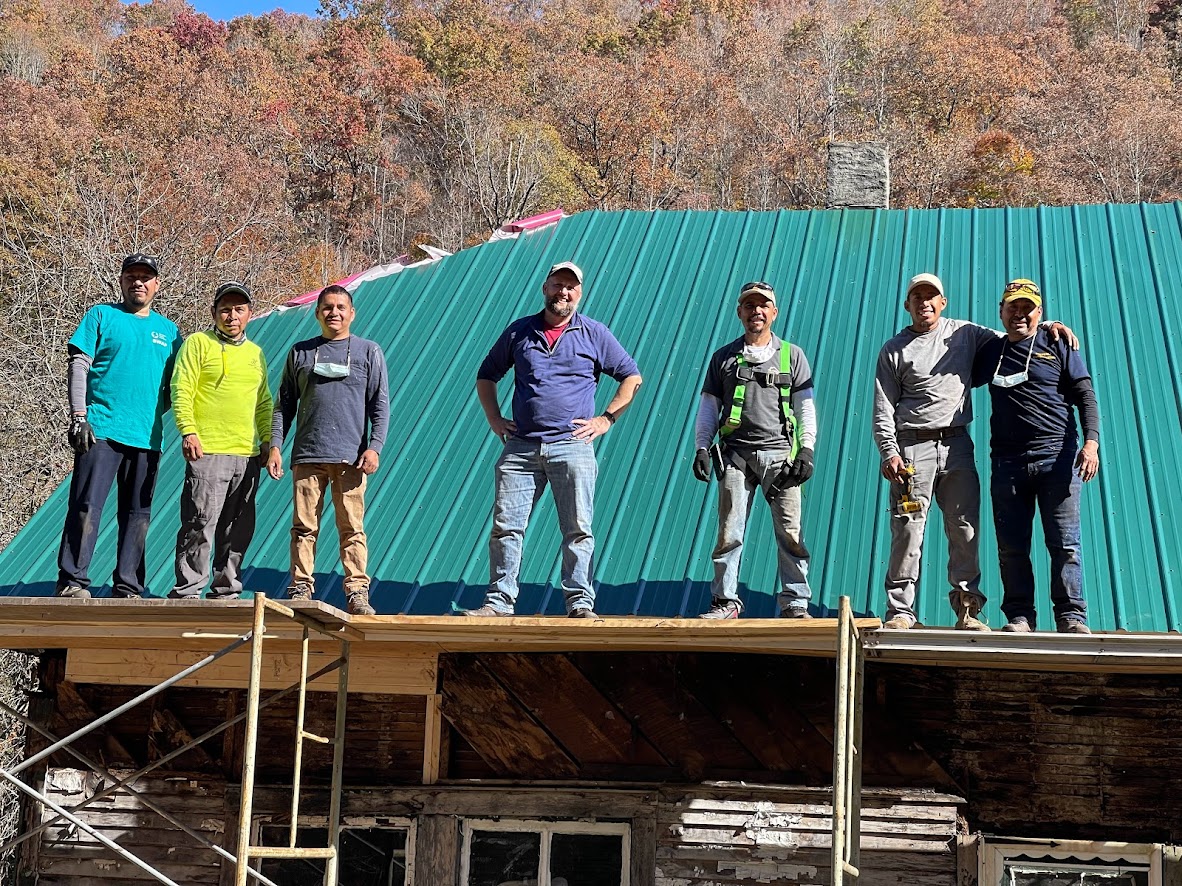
{"x": 77, "y": 369}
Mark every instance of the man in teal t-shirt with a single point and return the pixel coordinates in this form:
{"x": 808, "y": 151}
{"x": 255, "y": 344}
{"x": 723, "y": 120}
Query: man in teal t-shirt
{"x": 120, "y": 364}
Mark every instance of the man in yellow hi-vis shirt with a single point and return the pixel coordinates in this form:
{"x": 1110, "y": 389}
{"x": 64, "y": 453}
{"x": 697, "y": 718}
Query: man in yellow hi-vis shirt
{"x": 222, "y": 405}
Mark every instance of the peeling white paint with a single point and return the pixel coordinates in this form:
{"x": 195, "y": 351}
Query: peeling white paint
{"x": 769, "y": 828}
{"x": 67, "y": 781}
{"x": 767, "y": 873}
{"x": 213, "y": 825}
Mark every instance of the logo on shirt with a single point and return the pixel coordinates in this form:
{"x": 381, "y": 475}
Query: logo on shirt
{"x": 1044, "y": 355}
{"x": 159, "y": 338}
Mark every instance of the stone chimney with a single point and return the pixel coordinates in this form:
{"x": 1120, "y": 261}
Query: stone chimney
{"x": 859, "y": 176}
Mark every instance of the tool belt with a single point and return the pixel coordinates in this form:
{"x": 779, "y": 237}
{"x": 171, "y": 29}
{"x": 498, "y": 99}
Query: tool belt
{"x": 923, "y": 435}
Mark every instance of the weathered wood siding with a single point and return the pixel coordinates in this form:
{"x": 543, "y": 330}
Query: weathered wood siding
{"x": 656, "y": 717}
{"x": 1081, "y": 756}
{"x": 385, "y": 739}
{"x": 748, "y": 836}
{"x": 698, "y": 836}
{"x": 69, "y": 856}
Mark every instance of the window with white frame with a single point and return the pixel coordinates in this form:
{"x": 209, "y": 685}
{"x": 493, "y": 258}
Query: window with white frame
{"x": 1071, "y": 863}
{"x": 545, "y": 853}
{"x": 370, "y": 855}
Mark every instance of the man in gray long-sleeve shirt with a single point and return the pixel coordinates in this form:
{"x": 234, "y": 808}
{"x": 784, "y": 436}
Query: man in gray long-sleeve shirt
{"x": 335, "y": 389}
{"x": 921, "y": 410}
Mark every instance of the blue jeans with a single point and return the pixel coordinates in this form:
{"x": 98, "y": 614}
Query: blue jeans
{"x": 522, "y": 473}
{"x": 745, "y": 472}
{"x": 1018, "y": 485}
{"x": 94, "y": 472}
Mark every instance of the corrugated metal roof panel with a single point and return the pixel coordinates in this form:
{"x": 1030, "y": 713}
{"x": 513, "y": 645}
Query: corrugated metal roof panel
{"x": 665, "y": 282}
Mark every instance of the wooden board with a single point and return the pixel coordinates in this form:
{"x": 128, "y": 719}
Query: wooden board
{"x": 659, "y": 700}
{"x": 46, "y": 622}
{"x": 410, "y": 672}
{"x": 501, "y": 730}
{"x": 579, "y": 716}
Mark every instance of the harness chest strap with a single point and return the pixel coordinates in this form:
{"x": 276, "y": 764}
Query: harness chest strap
{"x": 744, "y": 374}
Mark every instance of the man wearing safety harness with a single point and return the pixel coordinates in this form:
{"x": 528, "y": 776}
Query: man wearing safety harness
{"x": 1034, "y": 385}
{"x": 921, "y": 411}
{"x": 337, "y": 382}
{"x": 758, "y": 398}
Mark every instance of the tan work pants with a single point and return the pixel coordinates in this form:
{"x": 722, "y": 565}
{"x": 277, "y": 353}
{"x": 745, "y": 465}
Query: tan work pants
{"x": 348, "y": 500}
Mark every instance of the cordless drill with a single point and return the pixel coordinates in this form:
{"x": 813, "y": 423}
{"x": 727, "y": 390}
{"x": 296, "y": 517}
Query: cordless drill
{"x": 907, "y": 503}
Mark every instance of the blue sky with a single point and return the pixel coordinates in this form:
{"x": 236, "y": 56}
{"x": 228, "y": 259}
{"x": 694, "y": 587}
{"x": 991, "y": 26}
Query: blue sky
{"x": 228, "y": 9}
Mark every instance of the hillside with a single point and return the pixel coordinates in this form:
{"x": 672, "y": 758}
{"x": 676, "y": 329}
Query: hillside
{"x": 287, "y": 151}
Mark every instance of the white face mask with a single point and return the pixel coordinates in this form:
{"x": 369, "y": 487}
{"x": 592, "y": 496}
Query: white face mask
{"x": 333, "y": 370}
{"x": 1016, "y": 378}
{"x": 1010, "y": 381}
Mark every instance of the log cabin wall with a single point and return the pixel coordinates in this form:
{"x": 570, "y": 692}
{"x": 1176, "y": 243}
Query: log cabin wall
{"x": 1080, "y": 756}
{"x": 67, "y": 856}
{"x": 1087, "y": 756}
{"x": 688, "y": 836}
{"x": 1038, "y": 755}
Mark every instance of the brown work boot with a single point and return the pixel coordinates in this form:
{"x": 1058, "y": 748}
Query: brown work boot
{"x": 300, "y": 592}
{"x": 1019, "y": 624}
{"x": 1071, "y": 626}
{"x": 486, "y": 611}
{"x": 357, "y": 601}
{"x": 968, "y": 608}
{"x": 898, "y": 623}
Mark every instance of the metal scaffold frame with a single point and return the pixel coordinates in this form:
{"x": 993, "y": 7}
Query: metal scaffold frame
{"x": 245, "y": 852}
{"x": 847, "y": 749}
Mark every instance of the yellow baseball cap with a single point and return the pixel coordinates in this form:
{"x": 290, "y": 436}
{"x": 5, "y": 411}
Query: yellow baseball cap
{"x": 1022, "y": 288}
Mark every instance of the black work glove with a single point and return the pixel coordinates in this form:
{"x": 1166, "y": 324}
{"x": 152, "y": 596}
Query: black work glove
{"x": 80, "y": 435}
{"x": 702, "y": 465}
{"x": 802, "y": 468}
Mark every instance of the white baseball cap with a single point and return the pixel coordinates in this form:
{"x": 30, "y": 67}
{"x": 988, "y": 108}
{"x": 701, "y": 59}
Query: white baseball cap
{"x": 929, "y": 279}
{"x": 566, "y": 266}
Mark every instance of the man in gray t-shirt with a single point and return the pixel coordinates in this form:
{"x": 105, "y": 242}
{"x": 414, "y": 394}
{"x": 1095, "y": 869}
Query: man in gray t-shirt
{"x": 758, "y": 398}
{"x": 335, "y": 389}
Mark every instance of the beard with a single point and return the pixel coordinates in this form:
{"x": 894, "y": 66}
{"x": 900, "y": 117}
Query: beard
{"x": 559, "y": 308}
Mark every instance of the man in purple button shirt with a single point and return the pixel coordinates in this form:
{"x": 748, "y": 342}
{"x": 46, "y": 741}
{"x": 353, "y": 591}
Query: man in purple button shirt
{"x": 556, "y": 356}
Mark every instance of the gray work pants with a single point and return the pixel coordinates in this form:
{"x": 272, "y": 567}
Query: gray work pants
{"x": 217, "y": 508}
{"x": 747, "y": 471}
{"x": 945, "y": 471}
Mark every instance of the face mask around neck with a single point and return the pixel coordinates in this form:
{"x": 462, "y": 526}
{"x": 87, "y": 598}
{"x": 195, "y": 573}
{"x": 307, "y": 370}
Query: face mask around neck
{"x": 333, "y": 370}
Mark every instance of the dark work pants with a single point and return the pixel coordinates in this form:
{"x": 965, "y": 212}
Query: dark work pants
{"x": 94, "y": 472}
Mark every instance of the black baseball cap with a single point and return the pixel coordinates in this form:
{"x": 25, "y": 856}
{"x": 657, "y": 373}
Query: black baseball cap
{"x": 232, "y": 287}
{"x": 141, "y": 258}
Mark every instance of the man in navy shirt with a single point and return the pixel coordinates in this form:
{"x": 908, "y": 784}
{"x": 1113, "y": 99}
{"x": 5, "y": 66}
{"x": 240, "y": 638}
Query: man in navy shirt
{"x": 1034, "y": 384}
{"x": 556, "y": 356}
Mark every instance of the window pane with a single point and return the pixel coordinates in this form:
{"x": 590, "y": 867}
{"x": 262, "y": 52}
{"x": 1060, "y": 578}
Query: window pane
{"x": 373, "y": 857}
{"x": 1038, "y": 875}
{"x": 504, "y": 858}
{"x": 586, "y": 860}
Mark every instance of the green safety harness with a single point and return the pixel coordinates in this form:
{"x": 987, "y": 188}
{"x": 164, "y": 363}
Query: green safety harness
{"x": 744, "y": 373}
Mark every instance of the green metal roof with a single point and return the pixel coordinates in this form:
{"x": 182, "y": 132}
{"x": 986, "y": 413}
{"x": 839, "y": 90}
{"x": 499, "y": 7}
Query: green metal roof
{"x": 665, "y": 282}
